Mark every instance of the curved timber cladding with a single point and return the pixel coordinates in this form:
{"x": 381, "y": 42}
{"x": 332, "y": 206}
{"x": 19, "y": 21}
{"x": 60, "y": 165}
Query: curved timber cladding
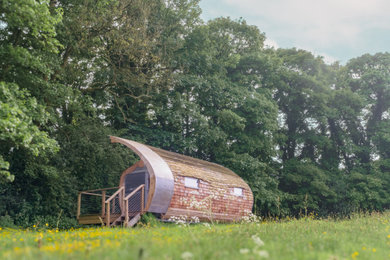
{"x": 161, "y": 177}
{"x": 219, "y": 193}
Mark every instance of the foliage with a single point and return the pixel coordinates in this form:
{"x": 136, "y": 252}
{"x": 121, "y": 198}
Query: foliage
{"x": 19, "y": 114}
{"x": 306, "y": 136}
{"x": 149, "y": 220}
{"x": 27, "y": 34}
{"x": 7, "y": 221}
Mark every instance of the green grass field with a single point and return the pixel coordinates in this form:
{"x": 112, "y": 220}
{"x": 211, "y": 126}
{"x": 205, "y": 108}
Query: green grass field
{"x": 361, "y": 237}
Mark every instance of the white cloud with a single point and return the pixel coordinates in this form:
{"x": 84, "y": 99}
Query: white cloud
{"x": 319, "y": 24}
{"x": 328, "y": 59}
{"x": 269, "y": 43}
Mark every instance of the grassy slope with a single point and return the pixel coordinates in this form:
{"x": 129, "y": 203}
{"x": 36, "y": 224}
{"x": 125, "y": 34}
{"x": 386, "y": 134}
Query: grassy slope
{"x": 362, "y": 237}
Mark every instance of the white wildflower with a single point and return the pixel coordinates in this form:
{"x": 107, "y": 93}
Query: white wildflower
{"x": 200, "y": 205}
{"x": 261, "y": 253}
{"x": 183, "y": 200}
{"x": 187, "y": 255}
{"x": 195, "y": 219}
{"x": 207, "y": 225}
{"x": 244, "y": 251}
{"x": 257, "y": 240}
{"x": 179, "y": 220}
{"x": 249, "y": 217}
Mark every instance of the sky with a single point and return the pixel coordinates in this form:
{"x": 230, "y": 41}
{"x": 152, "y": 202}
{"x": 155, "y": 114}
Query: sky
{"x": 338, "y": 30}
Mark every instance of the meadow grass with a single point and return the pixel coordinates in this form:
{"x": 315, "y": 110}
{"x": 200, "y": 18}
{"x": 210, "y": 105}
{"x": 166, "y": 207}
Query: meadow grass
{"x": 361, "y": 237}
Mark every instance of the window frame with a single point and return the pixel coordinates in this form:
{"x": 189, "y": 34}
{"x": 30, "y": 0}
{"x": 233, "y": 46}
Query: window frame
{"x": 191, "y": 182}
{"x": 238, "y": 191}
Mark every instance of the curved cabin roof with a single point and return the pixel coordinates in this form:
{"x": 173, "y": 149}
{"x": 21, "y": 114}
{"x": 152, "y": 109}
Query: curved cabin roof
{"x": 207, "y": 171}
{"x": 161, "y": 177}
{"x": 163, "y": 166}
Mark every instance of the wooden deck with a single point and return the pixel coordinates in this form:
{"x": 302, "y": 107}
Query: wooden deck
{"x": 96, "y": 219}
{"x": 115, "y": 210}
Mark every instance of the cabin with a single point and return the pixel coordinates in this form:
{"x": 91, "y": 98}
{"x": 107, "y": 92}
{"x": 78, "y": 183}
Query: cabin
{"x": 170, "y": 186}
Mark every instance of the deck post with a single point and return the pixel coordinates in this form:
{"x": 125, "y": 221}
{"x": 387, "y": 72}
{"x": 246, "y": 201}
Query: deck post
{"x": 78, "y": 205}
{"x": 142, "y": 199}
{"x": 123, "y": 200}
{"x": 103, "y": 203}
{"x": 126, "y": 212}
{"x": 108, "y": 214}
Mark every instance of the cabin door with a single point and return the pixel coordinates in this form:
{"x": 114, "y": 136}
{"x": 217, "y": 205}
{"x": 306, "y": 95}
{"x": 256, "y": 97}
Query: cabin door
{"x": 132, "y": 181}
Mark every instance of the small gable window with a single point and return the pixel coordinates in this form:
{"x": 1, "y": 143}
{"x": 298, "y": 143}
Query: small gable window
{"x": 191, "y": 182}
{"x": 238, "y": 191}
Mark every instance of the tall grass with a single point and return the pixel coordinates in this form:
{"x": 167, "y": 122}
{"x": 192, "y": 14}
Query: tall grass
{"x": 361, "y": 237}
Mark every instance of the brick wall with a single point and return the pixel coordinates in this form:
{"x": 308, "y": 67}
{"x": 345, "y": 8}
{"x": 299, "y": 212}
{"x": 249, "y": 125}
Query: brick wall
{"x": 215, "y": 198}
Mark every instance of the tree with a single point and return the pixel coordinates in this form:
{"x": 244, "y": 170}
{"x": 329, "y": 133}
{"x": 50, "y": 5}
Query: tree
{"x": 220, "y": 104}
{"x": 302, "y": 93}
{"x": 27, "y": 34}
{"x": 18, "y": 113}
{"x": 369, "y": 77}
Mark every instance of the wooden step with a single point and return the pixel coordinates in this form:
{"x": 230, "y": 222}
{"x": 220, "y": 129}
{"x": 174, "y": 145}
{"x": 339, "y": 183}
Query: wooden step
{"x": 118, "y": 221}
{"x": 134, "y": 220}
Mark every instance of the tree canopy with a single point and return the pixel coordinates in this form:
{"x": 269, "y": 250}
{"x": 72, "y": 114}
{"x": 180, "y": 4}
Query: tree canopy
{"x": 307, "y": 136}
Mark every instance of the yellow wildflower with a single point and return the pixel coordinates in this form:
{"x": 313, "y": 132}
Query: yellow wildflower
{"x": 364, "y": 248}
{"x": 355, "y": 254}
{"x": 374, "y": 250}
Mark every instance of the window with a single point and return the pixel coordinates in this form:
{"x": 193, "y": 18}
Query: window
{"x": 237, "y": 191}
{"x": 191, "y": 182}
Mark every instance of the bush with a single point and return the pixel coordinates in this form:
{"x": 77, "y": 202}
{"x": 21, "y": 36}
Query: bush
{"x": 149, "y": 219}
{"x": 54, "y": 222}
{"x": 7, "y": 221}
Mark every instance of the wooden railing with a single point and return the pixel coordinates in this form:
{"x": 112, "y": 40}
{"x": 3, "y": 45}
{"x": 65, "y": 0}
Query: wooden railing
{"x": 114, "y": 209}
{"x": 126, "y": 201}
{"x": 97, "y": 192}
{"x": 120, "y": 193}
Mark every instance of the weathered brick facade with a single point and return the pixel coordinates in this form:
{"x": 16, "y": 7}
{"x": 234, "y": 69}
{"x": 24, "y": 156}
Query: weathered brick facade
{"x": 209, "y": 201}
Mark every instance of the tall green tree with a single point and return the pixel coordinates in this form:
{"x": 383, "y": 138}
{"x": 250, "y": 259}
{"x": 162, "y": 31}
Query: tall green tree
{"x": 367, "y": 79}
{"x": 302, "y": 95}
{"x": 220, "y": 105}
{"x": 28, "y": 43}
